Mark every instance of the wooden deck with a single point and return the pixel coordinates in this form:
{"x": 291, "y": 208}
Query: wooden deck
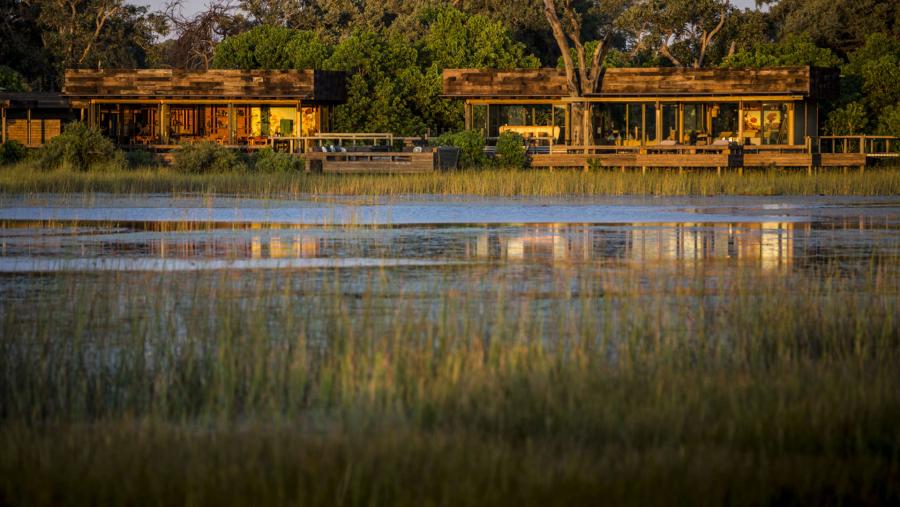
{"x": 371, "y": 162}
{"x": 828, "y": 151}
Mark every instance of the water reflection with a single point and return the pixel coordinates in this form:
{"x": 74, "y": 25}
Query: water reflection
{"x": 768, "y": 245}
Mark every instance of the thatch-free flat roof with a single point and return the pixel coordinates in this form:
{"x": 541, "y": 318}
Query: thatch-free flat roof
{"x": 651, "y": 82}
{"x": 33, "y": 100}
{"x": 311, "y": 85}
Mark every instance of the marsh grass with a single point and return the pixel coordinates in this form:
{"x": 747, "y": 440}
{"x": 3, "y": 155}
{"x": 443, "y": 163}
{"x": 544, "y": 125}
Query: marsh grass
{"x": 25, "y": 179}
{"x": 598, "y": 386}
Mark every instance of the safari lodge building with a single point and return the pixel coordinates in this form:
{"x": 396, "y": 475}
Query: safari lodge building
{"x": 661, "y": 116}
{"x": 165, "y": 107}
{"x": 642, "y": 117}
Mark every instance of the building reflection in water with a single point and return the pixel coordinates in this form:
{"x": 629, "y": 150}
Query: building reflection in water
{"x": 770, "y": 245}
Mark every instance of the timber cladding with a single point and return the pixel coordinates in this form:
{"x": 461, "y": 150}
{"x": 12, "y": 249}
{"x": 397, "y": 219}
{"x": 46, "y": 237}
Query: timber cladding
{"x": 653, "y": 81}
{"x": 314, "y": 85}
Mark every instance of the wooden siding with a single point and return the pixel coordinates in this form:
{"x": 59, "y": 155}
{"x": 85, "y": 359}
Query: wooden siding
{"x": 224, "y": 84}
{"x": 354, "y": 162}
{"x": 41, "y": 131}
{"x": 657, "y": 81}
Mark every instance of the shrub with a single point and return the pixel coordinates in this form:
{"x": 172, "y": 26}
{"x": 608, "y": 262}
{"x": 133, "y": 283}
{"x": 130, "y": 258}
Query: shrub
{"x": 470, "y": 144}
{"x": 207, "y": 157}
{"x": 269, "y": 161}
{"x": 511, "y": 151}
{"x": 12, "y": 152}
{"x": 848, "y": 120}
{"x": 79, "y": 148}
{"x": 141, "y": 158}
{"x": 889, "y": 121}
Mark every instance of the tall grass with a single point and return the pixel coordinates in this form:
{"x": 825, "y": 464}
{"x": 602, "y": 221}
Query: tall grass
{"x": 495, "y": 182}
{"x": 643, "y": 387}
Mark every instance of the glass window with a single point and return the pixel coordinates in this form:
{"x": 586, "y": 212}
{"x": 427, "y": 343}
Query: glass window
{"x": 530, "y": 120}
{"x": 610, "y": 123}
{"x": 694, "y": 130}
{"x": 635, "y": 120}
{"x": 724, "y": 121}
{"x": 650, "y": 123}
{"x": 751, "y": 123}
{"x": 559, "y": 121}
{"x": 479, "y": 118}
{"x": 775, "y": 123}
{"x": 670, "y": 122}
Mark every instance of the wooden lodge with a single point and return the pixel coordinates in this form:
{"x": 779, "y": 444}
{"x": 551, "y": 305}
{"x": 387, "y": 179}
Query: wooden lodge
{"x": 32, "y": 119}
{"x": 665, "y": 117}
{"x": 166, "y": 107}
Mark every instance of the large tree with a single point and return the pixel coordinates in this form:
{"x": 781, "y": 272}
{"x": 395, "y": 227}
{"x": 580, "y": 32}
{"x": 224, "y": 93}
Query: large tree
{"x": 573, "y": 23}
{"x": 682, "y": 32}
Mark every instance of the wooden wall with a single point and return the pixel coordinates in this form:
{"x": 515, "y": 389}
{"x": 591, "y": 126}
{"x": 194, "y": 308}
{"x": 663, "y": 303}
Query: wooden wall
{"x": 656, "y": 81}
{"x": 42, "y": 130}
{"x": 234, "y": 84}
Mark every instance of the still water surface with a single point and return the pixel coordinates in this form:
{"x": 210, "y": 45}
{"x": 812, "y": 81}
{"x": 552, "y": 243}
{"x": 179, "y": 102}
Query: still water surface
{"x": 156, "y": 233}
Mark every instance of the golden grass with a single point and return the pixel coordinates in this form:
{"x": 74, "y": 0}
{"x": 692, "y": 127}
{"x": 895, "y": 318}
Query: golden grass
{"x": 637, "y": 388}
{"x": 24, "y": 179}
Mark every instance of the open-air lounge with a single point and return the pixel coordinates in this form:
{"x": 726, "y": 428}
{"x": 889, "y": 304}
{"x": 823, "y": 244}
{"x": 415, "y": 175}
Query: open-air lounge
{"x": 662, "y": 117}
{"x": 166, "y": 107}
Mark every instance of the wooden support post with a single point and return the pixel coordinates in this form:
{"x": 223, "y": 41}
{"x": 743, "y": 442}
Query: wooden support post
{"x": 164, "y": 123}
{"x": 643, "y": 170}
{"x": 719, "y": 171}
{"x": 3, "y": 125}
{"x": 741, "y": 171}
{"x": 232, "y": 124}
{"x": 28, "y": 126}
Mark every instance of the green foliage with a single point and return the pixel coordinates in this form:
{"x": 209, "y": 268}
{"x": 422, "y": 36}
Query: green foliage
{"x": 848, "y": 120}
{"x": 12, "y": 152}
{"x": 841, "y": 25}
{"x": 876, "y": 69}
{"x": 80, "y": 148}
{"x": 12, "y": 81}
{"x": 794, "y": 50}
{"x": 511, "y": 151}
{"x": 889, "y": 121}
{"x": 206, "y": 157}
{"x": 457, "y": 40}
{"x": 270, "y": 161}
{"x": 384, "y": 86}
{"x": 471, "y": 147}
{"x": 271, "y": 47}
{"x": 141, "y": 158}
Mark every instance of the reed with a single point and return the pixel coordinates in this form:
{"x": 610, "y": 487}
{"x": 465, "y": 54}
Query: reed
{"x": 24, "y": 179}
{"x": 465, "y": 387}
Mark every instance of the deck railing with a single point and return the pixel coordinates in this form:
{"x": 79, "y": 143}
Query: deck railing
{"x": 873, "y": 146}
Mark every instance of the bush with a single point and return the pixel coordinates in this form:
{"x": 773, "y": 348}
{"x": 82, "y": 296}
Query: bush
{"x": 207, "y": 157}
{"x": 511, "y": 151}
{"x": 141, "y": 158}
{"x": 269, "y": 161}
{"x": 470, "y": 144}
{"x": 12, "y": 152}
{"x": 848, "y": 120}
{"x": 889, "y": 121}
{"x": 79, "y": 148}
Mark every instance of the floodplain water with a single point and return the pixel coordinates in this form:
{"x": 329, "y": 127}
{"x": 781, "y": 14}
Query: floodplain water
{"x": 155, "y": 233}
{"x": 425, "y": 246}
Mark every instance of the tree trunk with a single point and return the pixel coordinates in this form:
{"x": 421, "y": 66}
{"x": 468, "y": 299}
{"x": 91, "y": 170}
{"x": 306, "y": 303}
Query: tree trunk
{"x": 587, "y": 126}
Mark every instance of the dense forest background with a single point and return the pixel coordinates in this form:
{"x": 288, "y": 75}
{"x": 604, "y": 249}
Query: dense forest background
{"x": 395, "y": 50}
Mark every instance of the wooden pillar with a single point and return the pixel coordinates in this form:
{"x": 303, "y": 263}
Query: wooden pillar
{"x": 468, "y": 115}
{"x": 164, "y": 122}
{"x": 3, "y": 125}
{"x": 741, "y": 122}
{"x": 28, "y": 127}
{"x": 232, "y": 123}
